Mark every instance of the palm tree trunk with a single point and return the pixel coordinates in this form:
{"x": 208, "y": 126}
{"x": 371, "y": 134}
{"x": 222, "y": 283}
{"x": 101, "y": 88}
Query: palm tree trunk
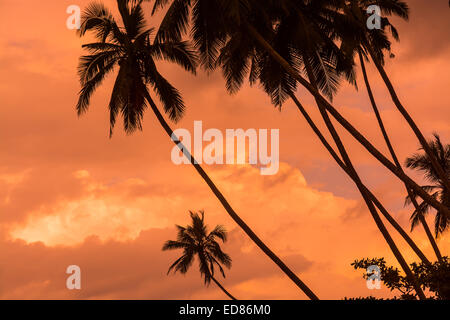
{"x": 377, "y": 203}
{"x": 355, "y": 133}
{"x": 230, "y": 210}
{"x": 394, "y": 155}
{"x": 361, "y": 186}
{"x": 440, "y": 172}
{"x": 430, "y": 236}
{"x": 223, "y": 289}
{"x": 376, "y": 111}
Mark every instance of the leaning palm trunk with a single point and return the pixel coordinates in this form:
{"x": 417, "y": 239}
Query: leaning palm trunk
{"x": 229, "y": 209}
{"x": 440, "y": 172}
{"x": 377, "y": 203}
{"x": 222, "y": 288}
{"x": 355, "y": 133}
{"x": 394, "y": 156}
{"x": 361, "y": 186}
{"x": 375, "y": 216}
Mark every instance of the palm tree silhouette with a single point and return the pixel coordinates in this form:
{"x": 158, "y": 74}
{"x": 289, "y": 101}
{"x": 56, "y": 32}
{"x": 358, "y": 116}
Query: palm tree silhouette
{"x": 237, "y": 26}
{"x": 196, "y": 241}
{"x": 300, "y": 35}
{"x": 374, "y": 42}
{"x": 422, "y": 162}
{"x": 236, "y": 47}
{"x": 354, "y": 44}
{"x": 131, "y": 49}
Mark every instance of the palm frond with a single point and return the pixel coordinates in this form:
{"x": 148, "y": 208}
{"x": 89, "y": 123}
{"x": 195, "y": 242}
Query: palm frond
{"x": 169, "y": 96}
{"x": 91, "y": 65}
{"x": 132, "y": 16}
{"x": 195, "y": 240}
{"x": 234, "y": 59}
{"x": 97, "y": 18}
{"x": 89, "y": 87}
{"x": 172, "y": 245}
{"x": 175, "y": 21}
{"x": 179, "y": 52}
{"x": 97, "y": 47}
{"x": 218, "y": 232}
{"x": 208, "y": 31}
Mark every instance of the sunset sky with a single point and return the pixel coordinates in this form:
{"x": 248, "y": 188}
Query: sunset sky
{"x": 70, "y": 195}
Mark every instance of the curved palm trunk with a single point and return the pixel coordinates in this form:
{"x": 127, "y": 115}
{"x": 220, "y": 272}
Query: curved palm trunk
{"x": 355, "y": 133}
{"x": 361, "y": 186}
{"x": 377, "y": 203}
{"x": 223, "y": 289}
{"x": 230, "y": 210}
{"x": 394, "y": 155}
{"x": 437, "y": 167}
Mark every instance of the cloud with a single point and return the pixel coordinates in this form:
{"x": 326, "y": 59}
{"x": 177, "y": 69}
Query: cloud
{"x": 122, "y": 270}
{"x": 96, "y": 230}
{"x": 113, "y": 235}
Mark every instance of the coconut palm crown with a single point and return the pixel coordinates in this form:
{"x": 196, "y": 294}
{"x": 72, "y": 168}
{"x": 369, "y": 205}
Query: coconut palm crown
{"x": 130, "y": 48}
{"x": 196, "y": 241}
{"x": 422, "y": 163}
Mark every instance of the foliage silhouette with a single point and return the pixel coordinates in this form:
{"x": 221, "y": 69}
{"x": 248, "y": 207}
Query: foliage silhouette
{"x": 422, "y": 163}
{"x": 434, "y": 278}
{"x": 196, "y": 241}
{"x": 229, "y": 35}
{"x": 230, "y": 32}
{"x": 132, "y": 50}
{"x": 358, "y": 40}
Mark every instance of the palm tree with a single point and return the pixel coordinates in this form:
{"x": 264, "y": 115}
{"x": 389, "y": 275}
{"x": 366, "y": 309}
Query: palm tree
{"x": 353, "y": 44}
{"x": 376, "y": 202}
{"x": 196, "y": 241}
{"x": 313, "y": 88}
{"x": 239, "y": 25}
{"x": 131, "y": 49}
{"x": 304, "y": 38}
{"x": 374, "y": 42}
{"x": 422, "y": 162}
{"x": 236, "y": 51}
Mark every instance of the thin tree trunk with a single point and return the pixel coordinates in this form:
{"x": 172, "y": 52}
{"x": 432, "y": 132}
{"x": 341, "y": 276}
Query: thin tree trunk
{"x": 230, "y": 210}
{"x": 430, "y": 236}
{"x": 223, "y": 289}
{"x": 355, "y": 133}
{"x": 437, "y": 167}
{"x": 377, "y": 112}
{"x": 394, "y": 155}
{"x": 361, "y": 186}
{"x": 378, "y": 204}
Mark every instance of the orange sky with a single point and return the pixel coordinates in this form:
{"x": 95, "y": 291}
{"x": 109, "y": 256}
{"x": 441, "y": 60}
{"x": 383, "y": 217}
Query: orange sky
{"x": 69, "y": 195}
